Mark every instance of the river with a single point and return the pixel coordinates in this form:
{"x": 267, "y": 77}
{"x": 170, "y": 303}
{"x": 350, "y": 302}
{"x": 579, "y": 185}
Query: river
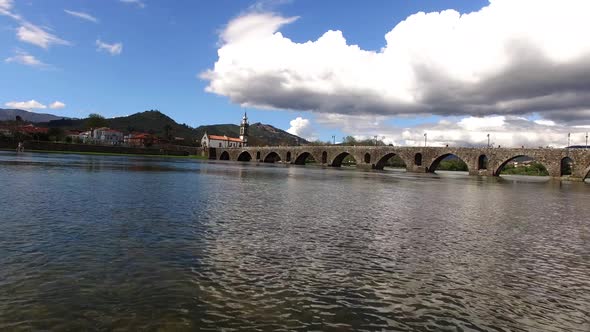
{"x": 105, "y": 243}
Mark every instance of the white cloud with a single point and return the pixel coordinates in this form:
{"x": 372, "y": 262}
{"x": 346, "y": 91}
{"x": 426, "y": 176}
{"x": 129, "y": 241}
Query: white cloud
{"x": 56, "y": 105}
{"x": 6, "y": 7}
{"x": 29, "y": 32}
{"x": 267, "y": 5}
{"x": 26, "y": 105}
{"x": 82, "y": 15}
{"x": 26, "y": 59}
{"x": 506, "y": 59}
{"x": 35, "y": 35}
{"x": 302, "y": 127}
{"x": 138, "y": 3}
{"x": 482, "y": 123}
{"x": 545, "y": 122}
{"x": 113, "y": 49}
{"x": 507, "y": 131}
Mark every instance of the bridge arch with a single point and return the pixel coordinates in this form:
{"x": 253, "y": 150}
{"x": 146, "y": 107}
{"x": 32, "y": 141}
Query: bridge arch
{"x": 503, "y": 165}
{"x": 224, "y": 156}
{"x": 304, "y": 157}
{"x": 245, "y": 156}
{"x": 272, "y": 157}
{"x": 339, "y": 159}
{"x": 566, "y": 166}
{"x": 386, "y": 159}
{"x": 459, "y": 167}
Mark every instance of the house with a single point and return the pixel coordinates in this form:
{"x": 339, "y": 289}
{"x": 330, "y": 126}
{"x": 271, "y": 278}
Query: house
{"x": 74, "y": 135}
{"x": 102, "y": 135}
{"x": 108, "y": 136}
{"x": 30, "y": 129}
{"x": 85, "y": 136}
{"x": 139, "y": 139}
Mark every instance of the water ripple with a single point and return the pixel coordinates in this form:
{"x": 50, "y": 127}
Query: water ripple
{"x": 111, "y": 243}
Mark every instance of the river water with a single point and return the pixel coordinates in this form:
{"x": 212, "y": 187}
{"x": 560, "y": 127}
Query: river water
{"x": 106, "y": 243}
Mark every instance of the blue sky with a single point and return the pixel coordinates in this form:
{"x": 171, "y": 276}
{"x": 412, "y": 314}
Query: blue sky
{"x": 118, "y": 57}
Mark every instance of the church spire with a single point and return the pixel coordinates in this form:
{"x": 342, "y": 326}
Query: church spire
{"x": 244, "y": 129}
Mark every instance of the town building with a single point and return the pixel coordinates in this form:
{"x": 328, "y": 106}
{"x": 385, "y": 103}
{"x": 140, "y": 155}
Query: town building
{"x": 217, "y": 141}
{"x": 102, "y": 135}
{"x": 140, "y": 139}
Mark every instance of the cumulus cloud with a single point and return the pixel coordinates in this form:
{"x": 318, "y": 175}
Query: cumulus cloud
{"x": 26, "y": 59}
{"x": 26, "y": 105}
{"x": 302, "y": 127}
{"x": 508, "y": 58}
{"x": 56, "y": 105}
{"x": 82, "y": 15}
{"x": 138, "y": 3}
{"x": 113, "y": 49}
{"x": 504, "y": 130}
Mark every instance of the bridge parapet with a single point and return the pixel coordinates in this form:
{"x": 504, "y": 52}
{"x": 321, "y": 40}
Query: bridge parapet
{"x": 480, "y": 161}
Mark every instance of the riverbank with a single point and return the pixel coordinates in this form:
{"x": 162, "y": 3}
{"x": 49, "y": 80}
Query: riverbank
{"x": 89, "y": 149}
{"x": 112, "y": 154}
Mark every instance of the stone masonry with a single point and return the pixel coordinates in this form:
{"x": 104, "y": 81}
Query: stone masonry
{"x": 480, "y": 161}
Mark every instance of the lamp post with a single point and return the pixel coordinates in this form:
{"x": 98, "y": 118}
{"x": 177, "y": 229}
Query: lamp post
{"x": 334, "y": 139}
{"x": 586, "y": 140}
{"x": 375, "y": 140}
{"x": 425, "y": 139}
{"x": 488, "y": 141}
{"x": 568, "y": 139}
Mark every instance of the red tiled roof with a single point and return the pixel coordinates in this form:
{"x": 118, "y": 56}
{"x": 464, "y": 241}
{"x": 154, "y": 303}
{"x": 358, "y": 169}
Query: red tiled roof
{"x": 30, "y": 129}
{"x": 225, "y": 138}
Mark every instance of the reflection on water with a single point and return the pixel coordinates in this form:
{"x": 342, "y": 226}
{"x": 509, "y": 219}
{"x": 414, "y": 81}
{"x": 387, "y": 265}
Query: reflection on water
{"x": 101, "y": 243}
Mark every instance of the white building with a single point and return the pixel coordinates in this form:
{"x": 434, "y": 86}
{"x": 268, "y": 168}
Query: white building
{"x": 215, "y": 141}
{"x": 102, "y": 135}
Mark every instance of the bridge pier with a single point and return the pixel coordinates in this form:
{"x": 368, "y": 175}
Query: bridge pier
{"x": 364, "y": 167}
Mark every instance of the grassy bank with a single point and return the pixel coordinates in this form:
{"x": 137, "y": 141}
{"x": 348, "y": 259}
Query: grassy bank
{"x": 113, "y": 154}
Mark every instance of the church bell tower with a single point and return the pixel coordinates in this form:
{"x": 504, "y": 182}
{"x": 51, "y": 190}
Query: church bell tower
{"x": 244, "y": 130}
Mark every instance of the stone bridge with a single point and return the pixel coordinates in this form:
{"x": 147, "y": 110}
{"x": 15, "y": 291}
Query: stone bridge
{"x": 480, "y": 161}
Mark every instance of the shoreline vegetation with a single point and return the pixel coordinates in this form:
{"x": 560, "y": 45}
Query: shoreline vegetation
{"x": 111, "y": 154}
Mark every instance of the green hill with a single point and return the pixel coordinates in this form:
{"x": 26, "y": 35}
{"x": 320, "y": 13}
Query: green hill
{"x": 259, "y": 135}
{"x": 159, "y": 124}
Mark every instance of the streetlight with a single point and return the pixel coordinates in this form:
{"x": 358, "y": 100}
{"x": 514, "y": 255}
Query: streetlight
{"x": 568, "y": 139}
{"x": 586, "y": 140}
{"x": 425, "y": 139}
{"x": 488, "y": 141}
{"x": 334, "y": 139}
{"x": 375, "y": 138}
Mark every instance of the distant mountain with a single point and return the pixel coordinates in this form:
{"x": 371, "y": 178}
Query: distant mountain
{"x": 156, "y": 122}
{"x": 11, "y": 114}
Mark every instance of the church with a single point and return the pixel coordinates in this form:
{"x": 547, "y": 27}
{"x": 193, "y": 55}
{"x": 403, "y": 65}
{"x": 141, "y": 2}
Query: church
{"x": 216, "y": 141}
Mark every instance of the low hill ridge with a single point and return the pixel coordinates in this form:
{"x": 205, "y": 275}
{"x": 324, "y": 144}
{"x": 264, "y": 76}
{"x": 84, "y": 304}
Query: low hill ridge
{"x": 158, "y": 123}
{"x": 11, "y": 114}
